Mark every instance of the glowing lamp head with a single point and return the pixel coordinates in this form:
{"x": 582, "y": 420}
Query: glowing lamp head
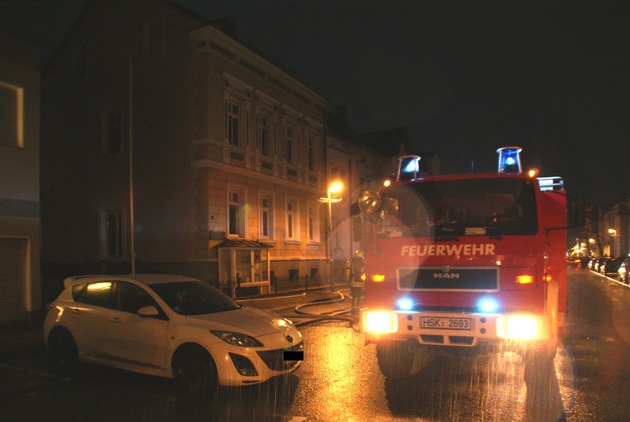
{"x": 488, "y": 305}
{"x": 510, "y": 160}
{"x": 405, "y": 304}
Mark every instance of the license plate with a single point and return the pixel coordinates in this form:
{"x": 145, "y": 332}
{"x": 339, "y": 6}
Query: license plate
{"x": 441, "y": 323}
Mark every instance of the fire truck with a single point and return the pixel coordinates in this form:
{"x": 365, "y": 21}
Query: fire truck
{"x": 473, "y": 262}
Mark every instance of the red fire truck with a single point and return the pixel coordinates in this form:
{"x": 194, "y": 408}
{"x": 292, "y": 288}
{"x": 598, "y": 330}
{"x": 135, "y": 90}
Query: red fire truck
{"x": 475, "y": 261}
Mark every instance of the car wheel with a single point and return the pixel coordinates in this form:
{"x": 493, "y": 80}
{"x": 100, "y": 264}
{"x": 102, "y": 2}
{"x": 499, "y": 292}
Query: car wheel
{"x": 195, "y": 372}
{"x": 63, "y": 347}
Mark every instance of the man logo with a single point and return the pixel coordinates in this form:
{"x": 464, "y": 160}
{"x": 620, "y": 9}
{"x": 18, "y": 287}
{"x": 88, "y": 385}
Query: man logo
{"x": 289, "y": 338}
{"x": 446, "y": 275}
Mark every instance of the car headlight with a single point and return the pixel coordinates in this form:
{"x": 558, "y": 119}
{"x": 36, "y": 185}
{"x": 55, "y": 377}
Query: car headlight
{"x": 237, "y": 339}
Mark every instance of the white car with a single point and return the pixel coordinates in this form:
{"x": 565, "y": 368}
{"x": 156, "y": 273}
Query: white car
{"x": 170, "y": 326}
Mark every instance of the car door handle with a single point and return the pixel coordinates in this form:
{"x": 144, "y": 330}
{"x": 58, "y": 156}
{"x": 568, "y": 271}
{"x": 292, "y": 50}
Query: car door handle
{"x": 115, "y": 320}
{"x": 75, "y": 311}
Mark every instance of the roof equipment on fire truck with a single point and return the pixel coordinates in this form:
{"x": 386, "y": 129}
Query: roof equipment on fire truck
{"x": 510, "y": 160}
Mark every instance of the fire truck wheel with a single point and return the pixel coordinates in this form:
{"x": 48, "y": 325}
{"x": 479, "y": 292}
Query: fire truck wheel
{"x": 395, "y": 359}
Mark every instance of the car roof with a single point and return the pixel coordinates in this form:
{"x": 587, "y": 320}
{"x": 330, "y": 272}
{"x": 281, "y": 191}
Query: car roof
{"x": 147, "y": 279}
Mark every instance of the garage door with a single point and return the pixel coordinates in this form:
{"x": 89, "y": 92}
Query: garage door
{"x": 12, "y": 308}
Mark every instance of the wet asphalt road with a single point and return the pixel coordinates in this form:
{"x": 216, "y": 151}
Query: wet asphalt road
{"x": 340, "y": 379}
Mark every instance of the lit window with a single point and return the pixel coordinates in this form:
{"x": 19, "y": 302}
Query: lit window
{"x": 266, "y": 216}
{"x": 313, "y": 223}
{"x": 291, "y": 224}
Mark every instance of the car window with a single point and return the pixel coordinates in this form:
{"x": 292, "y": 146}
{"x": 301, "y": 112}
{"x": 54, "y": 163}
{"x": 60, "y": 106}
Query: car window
{"x": 130, "y": 298}
{"x": 98, "y": 294}
{"x": 194, "y": 298}
{"x": 78, "y": 291}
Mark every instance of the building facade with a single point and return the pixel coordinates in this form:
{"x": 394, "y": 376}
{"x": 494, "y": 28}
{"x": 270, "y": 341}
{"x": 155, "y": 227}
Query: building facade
{"x": 167, "y": 139}
{"x": 20, "y": 289}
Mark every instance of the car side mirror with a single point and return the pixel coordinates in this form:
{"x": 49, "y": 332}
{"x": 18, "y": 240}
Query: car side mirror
{"x": 148, "y": 311}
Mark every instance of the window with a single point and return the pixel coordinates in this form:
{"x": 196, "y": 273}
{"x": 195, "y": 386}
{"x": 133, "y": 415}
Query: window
{"x": 112, "y": 133}
{"x": 310, "y": 154}
{"x": 289, "y": 145}
{"x": 11, "y": 115}
{"x": 478, "y": 207}
{"x": 153, "y": 39}
{"x": 99, "y": 294}
{"x": 266, "y": 216}
{"x": 313, "y": 226}
{"x": 291, "y": 220}
{"x": 263, "y": 135}
{"x": 130, "y": 298}
{"x": 236, "y": 219}
{"x": 231, "y": 123}
{"x": 111, "y": 234}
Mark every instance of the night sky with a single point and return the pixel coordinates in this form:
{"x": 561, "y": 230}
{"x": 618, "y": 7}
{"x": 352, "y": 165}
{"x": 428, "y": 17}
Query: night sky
{"x": 465, "y": 77}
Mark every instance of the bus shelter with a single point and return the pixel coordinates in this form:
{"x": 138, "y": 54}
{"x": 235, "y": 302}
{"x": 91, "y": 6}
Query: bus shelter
{"x": 243, "y": 264}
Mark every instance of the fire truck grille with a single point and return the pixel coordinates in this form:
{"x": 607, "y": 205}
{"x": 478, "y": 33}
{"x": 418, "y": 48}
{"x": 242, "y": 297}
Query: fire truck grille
{"x": 448, "y": 278}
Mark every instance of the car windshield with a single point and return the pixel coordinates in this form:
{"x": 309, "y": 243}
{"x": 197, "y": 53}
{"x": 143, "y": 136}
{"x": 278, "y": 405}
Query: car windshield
{"x": 194, "y": 298}
{"x": 491, "y": 206}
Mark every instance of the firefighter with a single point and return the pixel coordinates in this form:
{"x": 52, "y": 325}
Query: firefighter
{"x": 356, "y": 282}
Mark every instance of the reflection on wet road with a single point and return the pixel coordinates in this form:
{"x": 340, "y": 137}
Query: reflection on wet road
{"x": 341, "y": 381}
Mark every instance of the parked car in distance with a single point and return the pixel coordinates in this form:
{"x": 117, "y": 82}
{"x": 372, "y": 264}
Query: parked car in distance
{"x": 597, "y": 267}
{"x": 170, "y": 326}
{"x": 623, "y": 273}
{"x": 611, "y": 266}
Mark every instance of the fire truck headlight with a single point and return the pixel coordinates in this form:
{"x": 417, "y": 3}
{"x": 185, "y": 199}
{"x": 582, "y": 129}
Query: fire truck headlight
{"x": 518, "y": 327}
{"x": 405, "y": 304}
{"x": 488, "y": 305}
{"x": 380, "y": 322}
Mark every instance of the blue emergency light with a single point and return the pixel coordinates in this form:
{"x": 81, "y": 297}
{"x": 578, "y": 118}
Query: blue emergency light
{"x": 510, "y": 160}
{"x": 405, "y": 304}
{"x": 488, "y": 306}
{"x": 408, "y": 167}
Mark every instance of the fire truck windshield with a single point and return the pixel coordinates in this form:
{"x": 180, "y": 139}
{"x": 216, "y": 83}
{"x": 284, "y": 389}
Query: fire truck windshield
{"x": 453, "y": 208}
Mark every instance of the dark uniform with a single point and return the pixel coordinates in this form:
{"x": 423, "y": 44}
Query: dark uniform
{"x": 356, "y": 283}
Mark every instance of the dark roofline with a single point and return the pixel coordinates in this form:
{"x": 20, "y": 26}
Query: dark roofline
{"x": 216, "y": 23}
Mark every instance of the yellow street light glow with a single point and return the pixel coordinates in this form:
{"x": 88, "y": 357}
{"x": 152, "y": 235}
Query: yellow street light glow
{"x": 335, "y": 187}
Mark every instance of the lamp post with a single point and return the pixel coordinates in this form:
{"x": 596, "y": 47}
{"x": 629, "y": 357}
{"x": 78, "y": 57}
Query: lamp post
{"x": 334, "y": 188}
{"x": 612, "y": 233}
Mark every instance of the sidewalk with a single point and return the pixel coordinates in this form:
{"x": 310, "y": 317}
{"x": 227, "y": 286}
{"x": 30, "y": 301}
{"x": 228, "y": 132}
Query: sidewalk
{"x": 19, "y": 340}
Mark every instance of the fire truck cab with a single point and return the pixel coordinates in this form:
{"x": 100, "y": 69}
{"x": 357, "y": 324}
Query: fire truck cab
{"x": 472, "y": 261}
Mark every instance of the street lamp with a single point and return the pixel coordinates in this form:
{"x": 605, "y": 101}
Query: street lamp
{"x": 612, "y": 233}
{"x": 335, "y": 187}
